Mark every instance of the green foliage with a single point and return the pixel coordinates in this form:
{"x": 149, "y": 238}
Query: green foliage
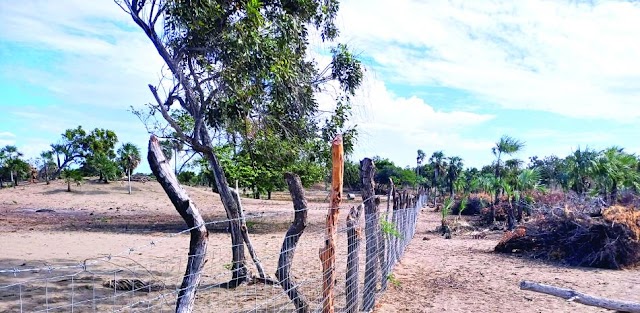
{"x": 446, "y": 208}
{"x": 389, "y": 229}
{"x": 104, "y": 166}
{"x": 128, "y": 157}
{"x": 70, "y": 176}
{"x": 187, "y": 177}
{"x": 393, "y": 280}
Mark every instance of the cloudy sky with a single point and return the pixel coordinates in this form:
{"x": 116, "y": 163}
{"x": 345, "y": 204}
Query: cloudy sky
{"x": 441, "y": 75}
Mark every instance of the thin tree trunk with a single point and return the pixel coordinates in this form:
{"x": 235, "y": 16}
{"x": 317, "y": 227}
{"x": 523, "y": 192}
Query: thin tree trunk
{"x": 189, "y": 212}
{"x": 372, "y": 228}
{"x": 68, "y": 186}
{"x": 290, "y": 242}
{"x": 328, "y": 252}
{"x": 13, "y": 182}
{"x": 247, "y": 239}
{"x": 129, "y": 178}
{"x": 572, "y": 295}
{"x": 353, "y": 259}
{"x": 239, "y": 268}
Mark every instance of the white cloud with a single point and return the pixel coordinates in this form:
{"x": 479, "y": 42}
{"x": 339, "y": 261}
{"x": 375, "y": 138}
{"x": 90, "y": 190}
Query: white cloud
{"x": 396, "y": 127}
{"x": 98, "y": 59}
{"x": 572, "y": 59}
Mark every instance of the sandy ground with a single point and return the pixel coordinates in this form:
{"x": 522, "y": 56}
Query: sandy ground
{"x": 80, "y": 240}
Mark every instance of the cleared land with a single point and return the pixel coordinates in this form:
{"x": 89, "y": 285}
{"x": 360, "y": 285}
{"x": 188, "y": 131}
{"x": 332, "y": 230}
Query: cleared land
{"x": 97, "y": 221}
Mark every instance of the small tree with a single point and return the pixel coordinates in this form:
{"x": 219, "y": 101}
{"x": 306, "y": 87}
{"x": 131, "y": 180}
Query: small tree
{"x": 46, "y": 157}
{"x": 71, "y": 176}
{"x": 129, "y": 159}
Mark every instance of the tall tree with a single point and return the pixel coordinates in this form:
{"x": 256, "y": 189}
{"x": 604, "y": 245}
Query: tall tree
{"x": 506, "y": 145}
{"x": 419, "y": 160}
{"x": 72, "y": 148}
{"x": 129, "y": 159}
{"x": 580, "y": 166}
{"x": 239, "y": 63}
{"x": 46, "y": 157}
{"x": 454, "y": 169}
{"x": 12, "y": 158}
{"x": 438, "y": 163}
{"x": 614, "y": 169}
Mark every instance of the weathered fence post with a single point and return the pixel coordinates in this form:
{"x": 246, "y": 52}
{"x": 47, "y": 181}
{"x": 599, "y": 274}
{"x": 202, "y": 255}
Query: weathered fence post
{"x": 353, "y": 259}
{"x": 189, "y": 212}
{"x": 328, "y": 252}
{"x": 386, "y": 243}
{"x": 291, "y": 241}
{"x": 372, "y": 228}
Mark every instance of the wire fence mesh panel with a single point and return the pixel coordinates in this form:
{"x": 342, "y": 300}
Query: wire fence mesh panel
{"x": 147, "y": 277}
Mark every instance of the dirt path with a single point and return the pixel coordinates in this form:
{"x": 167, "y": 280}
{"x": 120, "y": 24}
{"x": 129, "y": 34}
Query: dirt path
{"x": 464, "y": 275}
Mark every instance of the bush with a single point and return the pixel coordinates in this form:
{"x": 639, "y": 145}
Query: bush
{"x": 474, "y": 206}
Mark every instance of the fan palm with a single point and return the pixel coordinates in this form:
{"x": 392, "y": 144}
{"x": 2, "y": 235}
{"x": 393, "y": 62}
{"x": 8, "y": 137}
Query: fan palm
{"x": 438, "y": 164}
{"x": 129, "y": 159}
{"x": 507, "y": 145}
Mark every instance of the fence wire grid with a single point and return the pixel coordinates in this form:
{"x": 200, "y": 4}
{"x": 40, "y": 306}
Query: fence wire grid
{"x": 147, "y": 278}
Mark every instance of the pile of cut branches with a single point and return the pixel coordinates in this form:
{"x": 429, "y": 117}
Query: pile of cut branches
{"x": 577, "y": 239}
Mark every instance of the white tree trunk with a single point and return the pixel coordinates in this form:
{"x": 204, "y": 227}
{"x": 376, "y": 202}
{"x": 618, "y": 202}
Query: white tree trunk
{"x": 129, "y": 177}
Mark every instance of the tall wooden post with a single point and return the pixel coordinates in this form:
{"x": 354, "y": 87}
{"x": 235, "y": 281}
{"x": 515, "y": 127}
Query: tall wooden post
{"x": 372, "y": 229}
{"x": 328, "y": 252}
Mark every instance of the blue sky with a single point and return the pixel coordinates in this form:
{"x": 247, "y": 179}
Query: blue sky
{"x": 441, "y": 75}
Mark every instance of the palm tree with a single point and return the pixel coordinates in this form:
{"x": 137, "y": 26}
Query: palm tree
{"x": 507, "y": 145}
{"x": 581, "y": 165}
{"x": 129, "y": 159}
{"x": 437, "y": 161}
{"x": 615, "y": 168}
{"x": 419, "y": 160}
{"x": 11, "y": 154}
{"x": 453, "y": 172}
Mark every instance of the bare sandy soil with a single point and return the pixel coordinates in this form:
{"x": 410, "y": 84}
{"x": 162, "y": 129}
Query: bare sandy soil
{"x": 79, "y": 241}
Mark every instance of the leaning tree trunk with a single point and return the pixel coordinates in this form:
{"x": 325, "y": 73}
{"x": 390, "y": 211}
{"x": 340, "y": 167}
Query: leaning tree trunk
{"x": 291, "y": 241}
{"x": 189, "y": 212}
{"x": 239, "y": 268}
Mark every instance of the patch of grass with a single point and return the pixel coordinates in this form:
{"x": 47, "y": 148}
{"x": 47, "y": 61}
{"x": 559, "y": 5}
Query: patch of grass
{"x": 393, "y": 280}
{"x": 227, "y": 266}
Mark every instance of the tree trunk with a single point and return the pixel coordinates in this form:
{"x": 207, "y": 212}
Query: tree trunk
{"x": 353, "y": 259}
{"x": 328, "y": 252}
{"x": 46, "y": 173}
{"x": 269, "y": 195}
{"x": 572, "y": 295}
{"x": 290, "y": 242}
{"x": 372, "y": 228}
{"x": 246, "y": 238}
{"x": 435, "y": 189}
{"x": 189, "y": 212}
{"x": 129, "y": 178}
{"x": 69, "y": 186}
{"x": 13, "y": 182}
{"x": 239, "y": 268}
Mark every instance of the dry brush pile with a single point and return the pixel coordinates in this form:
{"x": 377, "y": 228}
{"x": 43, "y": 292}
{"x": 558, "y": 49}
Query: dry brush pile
{"x": 578, "y": 238}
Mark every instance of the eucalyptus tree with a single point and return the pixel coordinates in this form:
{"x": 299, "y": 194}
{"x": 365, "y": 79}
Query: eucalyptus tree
{"x": 506, "y": 145}
{"x": 129, "y": 159}
{"x": 240, "y": 68}
{"x": 46, "y": 157}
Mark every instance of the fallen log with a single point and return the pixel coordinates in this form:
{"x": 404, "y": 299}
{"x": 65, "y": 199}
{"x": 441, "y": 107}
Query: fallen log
{"x": 575, "y": 296}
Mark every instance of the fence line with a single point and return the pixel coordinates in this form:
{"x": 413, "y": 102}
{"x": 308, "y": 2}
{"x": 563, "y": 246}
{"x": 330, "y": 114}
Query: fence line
{"x": 135, "y": 280}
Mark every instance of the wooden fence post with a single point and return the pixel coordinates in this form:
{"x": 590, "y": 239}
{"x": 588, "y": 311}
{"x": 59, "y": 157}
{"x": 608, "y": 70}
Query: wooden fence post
{"x": 291, "y": 241}
{"x": 385, "y": 266}
{"x": 372, "y": 228}
{"x": 328, "y": 252}
{"x": 353, "y": 259}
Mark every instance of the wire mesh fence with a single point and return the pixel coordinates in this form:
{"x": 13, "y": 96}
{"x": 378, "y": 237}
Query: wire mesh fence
{"x": 147, "y": 278}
